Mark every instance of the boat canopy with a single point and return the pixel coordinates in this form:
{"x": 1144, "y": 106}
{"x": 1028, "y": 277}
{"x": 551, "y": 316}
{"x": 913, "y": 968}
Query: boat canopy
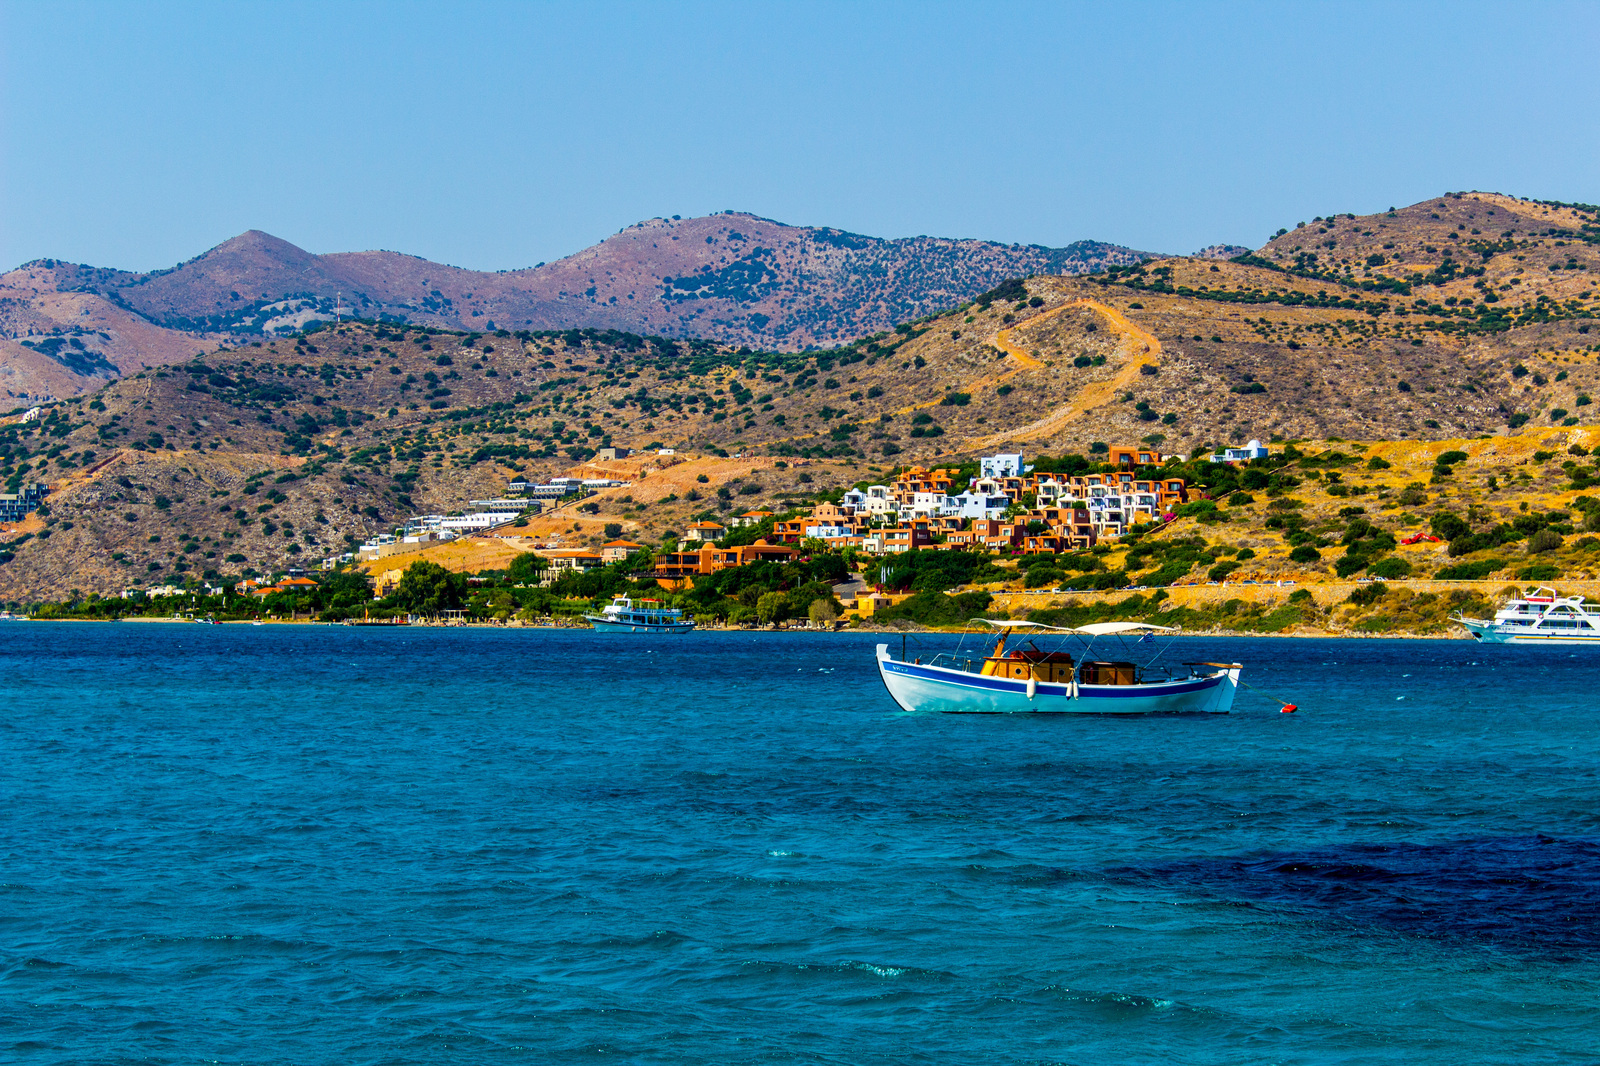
{"x": 1093, "y": 629}
{"x": 1107, "y": 629}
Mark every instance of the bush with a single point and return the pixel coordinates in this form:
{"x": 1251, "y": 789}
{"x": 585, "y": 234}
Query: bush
{"x": 937, "y": 609}
{"x": 1043, "y": 576}
{"x": 1366, "y": 597}
{"x": 1390, "y": 568}
{"x": 1545, "y": 540}
{"x": 1539, "y": 572}
{"x": 1451, "y": 458}
{"x": 1350, "y": 564}
{"x": 1378, "y": 463}
{"x": 1221, "y": 570}
{"x": 1448, "y": 526}
{"x": 956, "y": 399}
{"x": 1305, "y": 554}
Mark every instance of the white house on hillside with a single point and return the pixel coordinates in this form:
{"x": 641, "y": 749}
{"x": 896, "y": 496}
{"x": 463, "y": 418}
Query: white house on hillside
{"x": 1000, "y": 466}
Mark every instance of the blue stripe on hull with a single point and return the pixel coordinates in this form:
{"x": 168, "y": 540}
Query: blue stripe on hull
{"x": 931, "y": 688}
{"x": 631, "y": 627}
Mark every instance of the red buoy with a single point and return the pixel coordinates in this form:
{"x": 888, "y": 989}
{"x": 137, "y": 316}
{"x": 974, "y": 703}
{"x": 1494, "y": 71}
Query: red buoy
{"x": 1288, "y": 708}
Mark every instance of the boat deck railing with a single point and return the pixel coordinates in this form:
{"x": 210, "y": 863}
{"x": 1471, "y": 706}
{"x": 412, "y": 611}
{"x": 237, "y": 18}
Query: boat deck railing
{"x": 952, "y": 661}
{"x": 1147, "y": 673}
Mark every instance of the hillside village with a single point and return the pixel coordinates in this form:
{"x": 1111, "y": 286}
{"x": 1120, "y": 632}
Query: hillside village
{"x": 1428, "y": 418}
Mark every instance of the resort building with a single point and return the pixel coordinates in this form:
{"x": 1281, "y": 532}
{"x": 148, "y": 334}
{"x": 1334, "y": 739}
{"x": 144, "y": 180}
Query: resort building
{"x": 1253, "y": 450}
{"x": 704, "y": 532}
{"x": 710, "y": 559}
{"x": 614, "y": 551}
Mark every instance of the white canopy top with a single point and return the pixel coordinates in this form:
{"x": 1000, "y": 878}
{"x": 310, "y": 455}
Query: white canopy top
{"x": 1106, "y": 629}
{"x": 1093, "y": 629}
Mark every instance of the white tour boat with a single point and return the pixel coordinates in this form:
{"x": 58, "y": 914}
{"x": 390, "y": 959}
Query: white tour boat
{"x": 1028, "y": 679}
{"x": 624, "y": 615}
{"x": 1540, "y": 617}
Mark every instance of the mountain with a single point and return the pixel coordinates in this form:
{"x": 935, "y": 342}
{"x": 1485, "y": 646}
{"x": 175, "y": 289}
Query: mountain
{"x": 733, "y": 278}
{"x": 1463, "y": 316}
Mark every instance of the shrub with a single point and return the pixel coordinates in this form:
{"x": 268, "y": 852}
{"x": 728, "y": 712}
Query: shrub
{"x": 1544, "y": 541}
{"x": 1539, "y": 572}
{"x": 1365, "y": 597}
{"x": 1412, "y": 495}
{"x": 1378, "y": 463}
{"x": 1349, "y": 564}
{"x": 1448, "y": 526}
{"x": 1221, "y": 570}
{"x": 1517, "y": 421}
{"x": 1042, "y": 576}
{"x": 1305, "y": 554}
{"x": 956, "y": 399}
{"x": 1451, "y": 458}
{"x": 1390, "y": 568}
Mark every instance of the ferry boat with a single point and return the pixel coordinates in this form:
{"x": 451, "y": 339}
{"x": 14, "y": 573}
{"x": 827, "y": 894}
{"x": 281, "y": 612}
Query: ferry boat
{"x": 1540, "y": 617}
{"x": 624, "y": 615}
{"x": 1029, "y": 679}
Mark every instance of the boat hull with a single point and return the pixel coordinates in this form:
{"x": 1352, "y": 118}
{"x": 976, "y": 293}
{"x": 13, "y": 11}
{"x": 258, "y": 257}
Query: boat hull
{"x": 939, "y": 689}
{"x": 604, "y": 625}
{"x": 1490, "y": 633}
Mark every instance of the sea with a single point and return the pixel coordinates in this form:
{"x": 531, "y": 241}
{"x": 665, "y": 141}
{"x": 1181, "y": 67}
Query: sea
{"x": 326, "y": 844}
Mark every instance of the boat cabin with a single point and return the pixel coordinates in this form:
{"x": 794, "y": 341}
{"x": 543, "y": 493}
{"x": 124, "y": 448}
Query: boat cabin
{"x": 1107, "y": 673}
{"x": 1053, "y": 667}
{"x": 1056, "y": 668}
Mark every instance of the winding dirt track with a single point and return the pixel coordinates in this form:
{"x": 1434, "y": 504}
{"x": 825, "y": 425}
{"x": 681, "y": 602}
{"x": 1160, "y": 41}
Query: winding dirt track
{"x": 1136, "y": 346}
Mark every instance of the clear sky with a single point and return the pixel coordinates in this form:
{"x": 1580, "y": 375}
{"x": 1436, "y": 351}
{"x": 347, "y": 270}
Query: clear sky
{"x": 498, "y": 135}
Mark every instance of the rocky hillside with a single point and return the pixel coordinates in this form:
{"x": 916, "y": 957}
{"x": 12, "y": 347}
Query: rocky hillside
{"x": 733, "y": 278}
{"x": 283, "y": 449}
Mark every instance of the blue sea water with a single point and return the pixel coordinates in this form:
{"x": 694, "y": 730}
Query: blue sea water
{"x": 334, "y": 845}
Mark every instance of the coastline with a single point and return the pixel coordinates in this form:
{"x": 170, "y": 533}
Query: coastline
{"x": 1299, "y": 633}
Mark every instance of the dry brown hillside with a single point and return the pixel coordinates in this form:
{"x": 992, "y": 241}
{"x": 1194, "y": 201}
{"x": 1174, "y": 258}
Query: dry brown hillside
{"x": 284, "y": 449}
{"x": 733, "y": 278}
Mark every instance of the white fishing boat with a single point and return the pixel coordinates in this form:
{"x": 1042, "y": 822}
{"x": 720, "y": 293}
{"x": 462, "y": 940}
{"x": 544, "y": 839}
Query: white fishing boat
{"x": 624, "y": 615}
{"x": 1030, "y": 679}
{"x": 1540, "y": 617}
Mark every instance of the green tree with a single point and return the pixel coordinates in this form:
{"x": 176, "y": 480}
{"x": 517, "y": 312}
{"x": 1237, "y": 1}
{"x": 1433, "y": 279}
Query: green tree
{"x": 772, "y": 607}
{"x": 428, "y": 588}
{"x": 527, "y": 569}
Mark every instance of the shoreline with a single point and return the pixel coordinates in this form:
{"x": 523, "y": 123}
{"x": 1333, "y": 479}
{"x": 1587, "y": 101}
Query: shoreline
{"x": 1303, "y": 634}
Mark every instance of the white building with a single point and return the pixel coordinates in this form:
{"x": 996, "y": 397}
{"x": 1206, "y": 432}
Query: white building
{"x": 1253, "y": 450}
{"x": 1000, "y": 466}
{"x": 466, "y": 523}
{"x": 873, "y": 500}
{"x": 972, "y": 504}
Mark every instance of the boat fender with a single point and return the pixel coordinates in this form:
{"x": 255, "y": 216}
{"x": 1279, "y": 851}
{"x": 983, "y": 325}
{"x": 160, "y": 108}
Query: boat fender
{"x": 1033, "y": 686}
{"x": 1288, "y": 708}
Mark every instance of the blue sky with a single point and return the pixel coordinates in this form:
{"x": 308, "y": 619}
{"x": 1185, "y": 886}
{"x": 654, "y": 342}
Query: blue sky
{"x": 496, "y": 135}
